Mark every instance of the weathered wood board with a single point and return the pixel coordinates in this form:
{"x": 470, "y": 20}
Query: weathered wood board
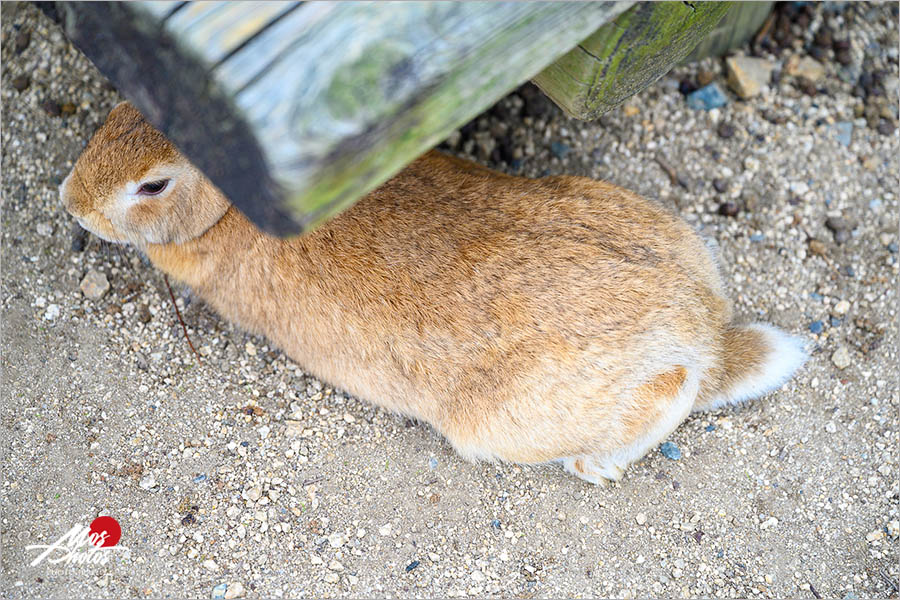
{"x": 628, "y": 54}
{"x": 297, "y": 109}
{"x": 741, "y": 22}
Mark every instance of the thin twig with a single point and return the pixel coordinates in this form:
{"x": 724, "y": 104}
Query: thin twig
{"x": 675, "y": 178}
{"x": 312, "y": 481}
{"x": 180, "y": 320}
{"x": 814, "y": 592}
{"x": 893, "y": 584}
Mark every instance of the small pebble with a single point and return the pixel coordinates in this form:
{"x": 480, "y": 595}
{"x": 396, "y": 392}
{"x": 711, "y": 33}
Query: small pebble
{"x": 843, "y": 132}
{"x": 705, "y": 77}
{"x": 841, "y": 307}
{"x": 710, "y": 428}
{"x": 817, "y": 247}
{"x": 686, "y": 87}
{"x": 412, "y": 566}
{"x": 640, "y": 518}
{"x": 51, "y": 108}
{"x": 559, "y": 149}
{"x": 52, "y": 312}
{"x": 720, "y": 185}
{"x": 94, "y": 285}
{"x": 817, "y": 327}
{"x": 218, "y": 592}
{"x": 148, "y": 482}
{"x": 335, "y": 566}
{"x": 893, "y": 248}
{"x": 729, "y": 209}
{"x": 23, "y": 39}
{"x": 725, "y": 130}
{"x": 210, "y": 565}
{"x": 21, "y": 83}
{"x": 670, "y": 451}
{"x": 757, "y": 237}
{"x": 707, "y": 98}
{"x": 885, "y": 127}
{"x": 841, "y": 358}
{"x": 432, "y": 463}
{"x": 235, "y": 590}
{"x": 495, "y": 523}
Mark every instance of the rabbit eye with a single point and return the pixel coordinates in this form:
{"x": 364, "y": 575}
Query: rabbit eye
{"x": 151, "y": 188}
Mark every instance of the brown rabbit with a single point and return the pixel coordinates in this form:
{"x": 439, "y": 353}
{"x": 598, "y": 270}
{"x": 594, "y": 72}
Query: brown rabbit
{"x": 528, "y": 320}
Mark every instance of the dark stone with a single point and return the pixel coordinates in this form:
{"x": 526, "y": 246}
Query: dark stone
{"x": 885, "y": 127}
{"x": 686, "y": 86}
{"x": 79, "y": 238}
{"x": 412, "y": 566}
{"x": 843, "y": 57}
{"x": 505, "y": 110}
{"x": 720, "y": 185}
{"x": 840, "y": 45}
{"x": 23, "y": 39}
{"x": 806, "y": 86}
{"x": 820, "y": 54}
{"x": 841, "y": 236}
{"x": 823, "y": 38}
{"x": 536, "y": 104}
{"x": 505, "y": 149}
{"x": 67, "y": 109}
{"x": 51, "y": 108}
{"x": 728, "y": 209}
{"x": 21, "y": 83}
{"x": 725, "y": 130}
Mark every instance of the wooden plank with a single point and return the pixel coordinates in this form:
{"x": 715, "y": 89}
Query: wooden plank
{"x": 219, "y": 27}
{"x": 735, "y": 29}
{"x": 297, "y": 114}
{"x": 164, "y": 8}
{"x": 626, "y": 55}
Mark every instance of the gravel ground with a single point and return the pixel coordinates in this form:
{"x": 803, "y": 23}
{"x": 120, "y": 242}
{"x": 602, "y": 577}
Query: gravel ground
{"x": 242, "y": 471}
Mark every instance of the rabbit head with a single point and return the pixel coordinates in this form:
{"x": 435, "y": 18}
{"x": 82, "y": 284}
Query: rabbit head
{"x": 132, "y": 185}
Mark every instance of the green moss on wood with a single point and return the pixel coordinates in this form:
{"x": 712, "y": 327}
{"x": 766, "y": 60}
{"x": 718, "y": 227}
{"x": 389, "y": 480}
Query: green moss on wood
{"x": 628, "y": 54}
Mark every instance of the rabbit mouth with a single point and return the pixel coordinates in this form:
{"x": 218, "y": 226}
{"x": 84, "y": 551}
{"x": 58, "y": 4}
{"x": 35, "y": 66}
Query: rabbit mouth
{"x": 98, "y": 231}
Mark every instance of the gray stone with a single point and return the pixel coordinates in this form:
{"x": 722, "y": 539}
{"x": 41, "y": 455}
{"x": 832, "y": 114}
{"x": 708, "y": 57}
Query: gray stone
{"x": 94, "y": 285}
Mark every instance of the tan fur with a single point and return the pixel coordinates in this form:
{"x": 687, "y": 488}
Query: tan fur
{"x": 527, "y": 320}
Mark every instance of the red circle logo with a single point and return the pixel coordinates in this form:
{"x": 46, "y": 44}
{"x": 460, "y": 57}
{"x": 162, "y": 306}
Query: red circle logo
{"x": 105, "y": 531}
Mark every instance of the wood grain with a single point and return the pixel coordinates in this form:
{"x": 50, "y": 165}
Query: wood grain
{"x": 317, "y": 103}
